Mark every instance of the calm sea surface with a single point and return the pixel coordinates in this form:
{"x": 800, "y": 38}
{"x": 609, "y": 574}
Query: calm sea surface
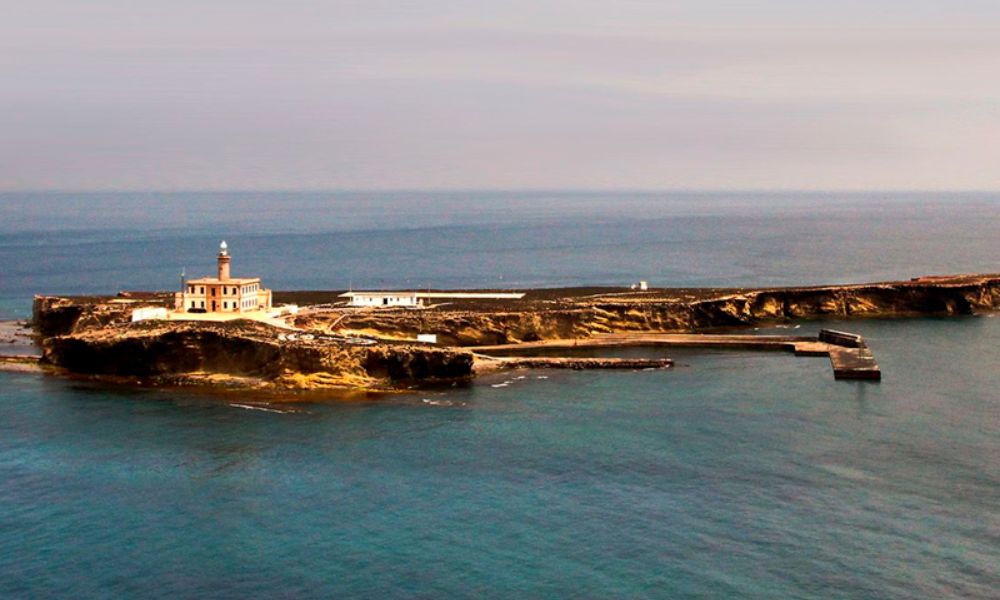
{"x": 734, "y": 475}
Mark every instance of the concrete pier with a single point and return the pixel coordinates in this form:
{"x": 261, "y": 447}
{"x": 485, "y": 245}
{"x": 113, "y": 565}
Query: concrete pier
{"x": 495, "y": 363}
{"x": 854, "y": 361}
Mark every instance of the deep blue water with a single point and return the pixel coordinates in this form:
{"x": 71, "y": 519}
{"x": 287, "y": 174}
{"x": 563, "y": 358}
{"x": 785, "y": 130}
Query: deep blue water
{"x": 95, "y": 243}
{"x": 732, "y": 475}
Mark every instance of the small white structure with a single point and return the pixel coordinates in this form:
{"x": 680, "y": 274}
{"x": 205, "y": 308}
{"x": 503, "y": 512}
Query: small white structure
{"x": 427, "y": 338}
{"x": 383, "y": 298}
{"x": 415, "y": 299}
{"x": 149, "y": 313}
{"x": 643, "y": 286}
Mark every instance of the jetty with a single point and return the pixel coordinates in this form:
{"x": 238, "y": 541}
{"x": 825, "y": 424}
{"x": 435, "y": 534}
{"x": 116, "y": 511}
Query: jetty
{"x": 484, "y": 363}
{"x": 849, "y": 355}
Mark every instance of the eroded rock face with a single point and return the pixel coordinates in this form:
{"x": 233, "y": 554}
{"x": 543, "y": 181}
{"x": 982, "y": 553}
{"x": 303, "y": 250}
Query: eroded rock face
{"x": 56, "y": 315}
{"x": 248, "y": 350}
{"x": 582, "y": 317}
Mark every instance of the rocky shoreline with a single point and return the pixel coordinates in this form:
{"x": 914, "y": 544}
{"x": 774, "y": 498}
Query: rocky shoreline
{"x": 335, "y": 346}
{"x": 247, "y": 354}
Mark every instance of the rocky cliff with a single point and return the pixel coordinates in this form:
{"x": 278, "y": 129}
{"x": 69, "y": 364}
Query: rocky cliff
{"x": 60, "y": 315}
{"x": 247, "y": 354}
{"x": 667, "y": 310}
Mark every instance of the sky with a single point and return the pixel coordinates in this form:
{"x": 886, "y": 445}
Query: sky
{"x": 512, "y": 94}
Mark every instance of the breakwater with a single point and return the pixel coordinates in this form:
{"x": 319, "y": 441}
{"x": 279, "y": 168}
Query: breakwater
{"x": 849, "y": 355}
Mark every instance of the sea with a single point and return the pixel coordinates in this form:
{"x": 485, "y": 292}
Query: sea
{"x": 731, "y": 475}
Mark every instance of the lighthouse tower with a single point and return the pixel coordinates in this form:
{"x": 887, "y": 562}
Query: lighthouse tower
{"x": 223, "y": 261}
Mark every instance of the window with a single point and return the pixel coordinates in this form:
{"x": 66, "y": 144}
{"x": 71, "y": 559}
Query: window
{"x": 225, "y": 305}
{"x": 213, "y": 291}
{"x": 202, "y": 289}
{"x": 203, "y": 304}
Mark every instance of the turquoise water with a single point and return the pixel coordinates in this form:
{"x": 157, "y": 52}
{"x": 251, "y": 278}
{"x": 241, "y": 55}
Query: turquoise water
{"x": 731, "y": 475}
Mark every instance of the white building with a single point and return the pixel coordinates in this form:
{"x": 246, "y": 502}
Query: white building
{"x": 383, "y": 298}
{"x": 149, "y": 313}
{"x": 417, "y": 299}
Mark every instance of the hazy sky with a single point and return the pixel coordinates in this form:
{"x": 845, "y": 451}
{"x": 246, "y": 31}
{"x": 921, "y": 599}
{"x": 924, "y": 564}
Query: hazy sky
{"x": 702, "y": 94}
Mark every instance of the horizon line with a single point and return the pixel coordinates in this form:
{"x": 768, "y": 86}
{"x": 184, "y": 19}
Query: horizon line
{"x": 511, "y": 190}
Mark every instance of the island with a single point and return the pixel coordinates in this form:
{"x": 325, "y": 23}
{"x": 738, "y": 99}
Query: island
{"x": 319, "y": 340}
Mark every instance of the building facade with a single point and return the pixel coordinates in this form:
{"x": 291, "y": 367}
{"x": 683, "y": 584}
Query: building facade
{"x": 224, "y": 293}
{"x": 409, "y": 299}
{"x": 374, "y": 299}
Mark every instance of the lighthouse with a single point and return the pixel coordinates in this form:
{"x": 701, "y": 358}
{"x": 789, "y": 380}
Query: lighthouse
{"x": 224, "y": 293}
{"x": 223, "y": 261}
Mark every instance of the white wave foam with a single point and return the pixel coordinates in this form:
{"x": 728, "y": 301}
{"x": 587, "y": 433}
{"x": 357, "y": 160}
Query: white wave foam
{"x": 261, "y": 408}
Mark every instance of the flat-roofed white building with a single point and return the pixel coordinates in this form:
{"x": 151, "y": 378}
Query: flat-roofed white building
{"x": 148, "y": 313}
{"x": 416, "y": 299}
{"x": 383, "y": 298}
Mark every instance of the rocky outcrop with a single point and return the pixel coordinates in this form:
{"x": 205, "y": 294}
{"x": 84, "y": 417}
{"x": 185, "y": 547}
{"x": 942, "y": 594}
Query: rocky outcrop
{"x": 59, "y": 315}
{"x": 661, "y": 311}
{"x": 250, "y": 351}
